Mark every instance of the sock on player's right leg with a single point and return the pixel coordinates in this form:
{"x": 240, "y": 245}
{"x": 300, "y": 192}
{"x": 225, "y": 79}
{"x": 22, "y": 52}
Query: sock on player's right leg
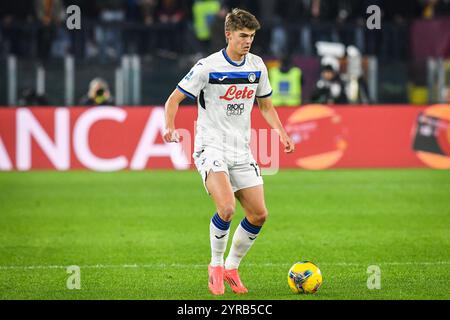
{"x": 218, "y": 233}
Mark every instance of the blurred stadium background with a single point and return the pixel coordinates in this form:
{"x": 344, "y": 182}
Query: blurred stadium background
{"x": 380, "y": 136}
{"x": 154, "y": 42}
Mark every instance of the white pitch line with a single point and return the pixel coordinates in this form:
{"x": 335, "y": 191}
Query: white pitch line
{"x": 176, "y": 265}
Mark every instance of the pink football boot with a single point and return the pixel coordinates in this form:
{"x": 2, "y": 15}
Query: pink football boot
{"x": 215, "y": 282}
{"x": 232, "y": 277}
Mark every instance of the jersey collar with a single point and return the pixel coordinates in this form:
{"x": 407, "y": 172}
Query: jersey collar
{"x": 224, "y": 51}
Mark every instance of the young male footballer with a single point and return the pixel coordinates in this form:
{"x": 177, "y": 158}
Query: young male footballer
{"x": 225, "y": 85}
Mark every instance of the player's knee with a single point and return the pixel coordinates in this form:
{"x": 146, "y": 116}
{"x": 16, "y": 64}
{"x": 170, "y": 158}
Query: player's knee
{"x": 226, "y": 211}
{"x": 261, "y": 216}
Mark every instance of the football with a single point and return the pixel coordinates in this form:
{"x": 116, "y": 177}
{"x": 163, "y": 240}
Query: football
{"x": 304, "y": 277}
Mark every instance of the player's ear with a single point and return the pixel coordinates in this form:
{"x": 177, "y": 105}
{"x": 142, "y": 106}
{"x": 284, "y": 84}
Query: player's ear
{"x": 227, "y": 35}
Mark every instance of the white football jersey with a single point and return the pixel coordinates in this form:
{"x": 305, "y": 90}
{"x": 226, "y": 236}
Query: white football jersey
{"x": 225, "y": 92}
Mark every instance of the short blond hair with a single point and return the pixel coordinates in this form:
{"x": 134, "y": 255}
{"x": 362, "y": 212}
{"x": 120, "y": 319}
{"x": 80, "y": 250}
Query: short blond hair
{"x": 239, "y": 19}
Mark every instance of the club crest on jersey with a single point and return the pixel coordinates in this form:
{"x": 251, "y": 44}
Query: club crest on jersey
{"x": 252, "y": 77}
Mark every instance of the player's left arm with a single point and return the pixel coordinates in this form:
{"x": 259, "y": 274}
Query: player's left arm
{"x": 271, "y": 116}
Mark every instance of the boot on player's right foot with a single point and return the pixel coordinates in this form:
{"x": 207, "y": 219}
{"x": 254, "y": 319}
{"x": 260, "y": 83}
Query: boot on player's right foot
{"x": 215, "y": 280}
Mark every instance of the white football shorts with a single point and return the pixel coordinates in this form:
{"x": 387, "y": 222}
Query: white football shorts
{"x": 242, "y": 175}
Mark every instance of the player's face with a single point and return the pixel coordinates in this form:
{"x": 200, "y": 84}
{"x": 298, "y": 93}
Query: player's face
{"x": 240, "y": 41}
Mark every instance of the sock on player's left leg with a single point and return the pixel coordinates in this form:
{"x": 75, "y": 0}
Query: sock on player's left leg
{"x": 243, "y": 239}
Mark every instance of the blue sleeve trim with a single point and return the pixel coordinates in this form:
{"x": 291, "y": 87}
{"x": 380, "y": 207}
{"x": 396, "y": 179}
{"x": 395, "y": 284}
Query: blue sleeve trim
{"x": 265, "y": 96}
{"x": 190, "y": 95}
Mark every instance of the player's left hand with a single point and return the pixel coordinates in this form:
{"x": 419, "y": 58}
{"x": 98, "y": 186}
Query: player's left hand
{"x": 289, "y": 145}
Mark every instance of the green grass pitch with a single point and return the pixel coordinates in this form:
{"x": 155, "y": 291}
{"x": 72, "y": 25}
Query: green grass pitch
{"x": 145, "y": 235}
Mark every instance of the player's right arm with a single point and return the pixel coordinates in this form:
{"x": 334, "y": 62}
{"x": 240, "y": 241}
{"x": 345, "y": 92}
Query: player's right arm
{"x": 190, "y": 87}
{"x": 171, "y": 108}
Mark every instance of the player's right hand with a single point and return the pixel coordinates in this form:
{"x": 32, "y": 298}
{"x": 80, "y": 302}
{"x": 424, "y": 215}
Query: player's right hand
{"x": 171, "y": 135}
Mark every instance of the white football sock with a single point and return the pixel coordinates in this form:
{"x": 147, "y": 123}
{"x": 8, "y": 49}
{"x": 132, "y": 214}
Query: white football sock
{"x": 243, "y": 239}
{"x": 218, "y": 234}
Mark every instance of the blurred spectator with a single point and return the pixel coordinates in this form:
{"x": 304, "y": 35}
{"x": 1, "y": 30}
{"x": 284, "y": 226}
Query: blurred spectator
{"x": 16, "y": 11}
{"x": 98, "y": 94}
{"x": 290, "y": 15}
{"x": 29, "y": 97}
{"x": 145, "y": 39}
{"x": 346, "y": 14}
{"x": 203, "y": 14}
{"x": 132, "y": 10}
{"x": 307, "y": 20}
{"x": 148, "y": 8}
{"x": 13, "y": 16}
{"x": 322, "y": 13}
{"x": 287, "y": 83}
{"x": 218, "y": 30}
{"x": 49, "y": 13}
{"x": 109, "y": 33}
{"x": 397, "y": 17}
{"x": 170, "y": 14}
{"x": 434, "y": 8}
{"x": 330, "y": 88}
